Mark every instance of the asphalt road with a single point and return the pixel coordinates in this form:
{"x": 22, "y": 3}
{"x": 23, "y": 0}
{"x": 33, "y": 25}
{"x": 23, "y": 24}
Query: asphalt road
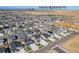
{"x": 47, "y": 48}
{"x": 59, "y": 50}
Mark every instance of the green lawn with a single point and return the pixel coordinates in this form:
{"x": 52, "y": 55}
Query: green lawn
{"x": 39, "y": 45}
{"x": 28, "y": 49}
{"x": 49, "y": 41}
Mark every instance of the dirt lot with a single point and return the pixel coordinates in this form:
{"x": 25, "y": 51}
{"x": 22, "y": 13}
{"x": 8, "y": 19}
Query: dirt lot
{"x": 67, "y": 13}
{"x": 72, "y": 44}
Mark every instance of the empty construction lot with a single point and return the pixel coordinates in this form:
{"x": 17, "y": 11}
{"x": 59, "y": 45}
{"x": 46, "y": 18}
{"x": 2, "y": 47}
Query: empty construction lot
{"x": 72, "y": 44}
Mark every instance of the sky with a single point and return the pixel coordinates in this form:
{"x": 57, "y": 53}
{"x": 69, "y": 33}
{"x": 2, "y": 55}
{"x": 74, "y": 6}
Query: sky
{"x": 37, "y": 8}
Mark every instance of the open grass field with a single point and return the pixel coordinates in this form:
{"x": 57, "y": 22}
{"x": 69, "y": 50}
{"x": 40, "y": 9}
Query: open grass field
{"x": 72, "y": 44}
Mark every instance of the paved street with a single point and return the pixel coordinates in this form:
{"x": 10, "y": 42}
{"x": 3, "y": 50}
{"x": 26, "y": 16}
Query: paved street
{"x": 47, "y": 48}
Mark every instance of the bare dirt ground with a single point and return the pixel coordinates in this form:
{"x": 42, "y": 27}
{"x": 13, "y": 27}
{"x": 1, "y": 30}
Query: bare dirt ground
{"x": 67, "y": 13}
{"x": 74, "y": 15}
{"x": 72, "y": 44}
